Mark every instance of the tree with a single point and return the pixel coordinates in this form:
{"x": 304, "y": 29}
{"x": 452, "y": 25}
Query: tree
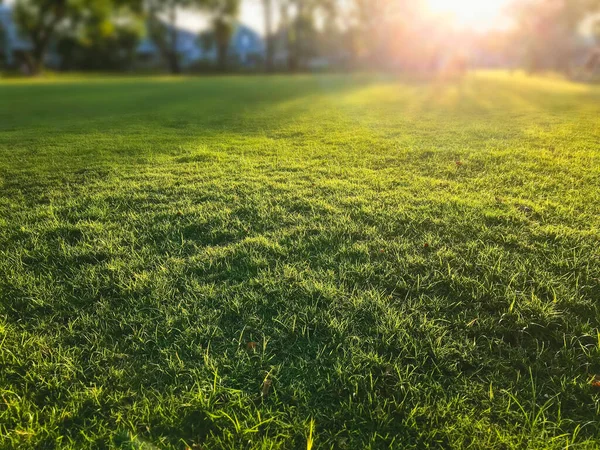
{"x": 283, "y": 36}
{"x": 595, "y": 29}
{"x": 39, "y": 19}
{"x": 225, "y": 14}
{"x": 547, "y": 28}
{"x": 592, "y": 64}
{"x": 164, "y": 33}
{"x": 42, "y": 20}
{"x": 300, "y": 32}
{"x": 104, "y": 38}
{"x": 3, "y": 45}
{"x": 268, "y": 13}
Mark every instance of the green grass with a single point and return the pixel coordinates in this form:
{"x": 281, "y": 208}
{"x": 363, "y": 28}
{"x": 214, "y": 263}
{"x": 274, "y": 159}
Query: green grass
{"x": 333, "y": 261}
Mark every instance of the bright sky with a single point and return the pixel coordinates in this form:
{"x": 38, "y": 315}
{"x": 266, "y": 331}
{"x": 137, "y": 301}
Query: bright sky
{"x": 251, "y": 14}
{"x": 479, "y": 14}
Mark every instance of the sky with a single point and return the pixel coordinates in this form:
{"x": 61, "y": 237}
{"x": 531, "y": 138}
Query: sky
{"x": 477, "y": 14}
{"x": 251, "y": 14}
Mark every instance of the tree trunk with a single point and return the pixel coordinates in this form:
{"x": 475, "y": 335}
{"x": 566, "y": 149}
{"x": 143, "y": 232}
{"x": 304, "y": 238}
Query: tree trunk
{"x": 40, "y": 39}
{"x": 173, "y": 57}
{"x": 222, "y": 48}
{"x": 268, "y": 10}
{"x": 295, "y": 60}
{"x": 35, "y": 59}
{"x": 3, "y": 46}
{"x": 174, "y": 66}
{"x": 36, "y": 66}
{"x": 285, "y": 26}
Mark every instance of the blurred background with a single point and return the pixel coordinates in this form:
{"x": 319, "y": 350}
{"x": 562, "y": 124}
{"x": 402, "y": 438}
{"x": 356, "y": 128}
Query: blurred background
{"x": 204, "y": 36}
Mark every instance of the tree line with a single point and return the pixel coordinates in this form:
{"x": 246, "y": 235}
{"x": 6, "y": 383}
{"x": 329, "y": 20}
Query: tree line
{"x": 104, "y": 34}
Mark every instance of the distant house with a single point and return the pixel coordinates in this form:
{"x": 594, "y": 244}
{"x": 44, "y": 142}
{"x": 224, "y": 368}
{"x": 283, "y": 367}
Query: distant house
{"x": 247, "y": 49}
{"x": 187, "y": 47}
{"x": 14, "y": 46}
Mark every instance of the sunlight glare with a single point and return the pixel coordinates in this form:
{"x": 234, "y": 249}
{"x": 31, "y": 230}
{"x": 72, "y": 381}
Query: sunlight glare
{"x": 472, "y": 13}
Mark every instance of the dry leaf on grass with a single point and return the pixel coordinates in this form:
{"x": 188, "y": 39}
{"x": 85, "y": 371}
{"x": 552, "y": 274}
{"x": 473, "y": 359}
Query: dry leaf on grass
{"x": 266, "y": 387}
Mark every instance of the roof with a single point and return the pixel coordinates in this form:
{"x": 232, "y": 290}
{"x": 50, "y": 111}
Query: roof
{"x": 244, "y": 40}
{"x": 186, "y": 41}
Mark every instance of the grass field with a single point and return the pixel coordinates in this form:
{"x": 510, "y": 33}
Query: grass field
{"x": 336, "y": 261}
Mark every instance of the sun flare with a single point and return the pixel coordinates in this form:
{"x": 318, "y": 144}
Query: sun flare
{"x": 473, "y": 13}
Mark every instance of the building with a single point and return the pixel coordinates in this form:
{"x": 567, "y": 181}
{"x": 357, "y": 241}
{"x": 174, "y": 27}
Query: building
{"x": 246, "y": 49}
{"x": 13, "y": 46}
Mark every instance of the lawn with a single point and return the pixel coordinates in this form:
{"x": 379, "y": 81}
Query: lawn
{"x": 277, "y": 262}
